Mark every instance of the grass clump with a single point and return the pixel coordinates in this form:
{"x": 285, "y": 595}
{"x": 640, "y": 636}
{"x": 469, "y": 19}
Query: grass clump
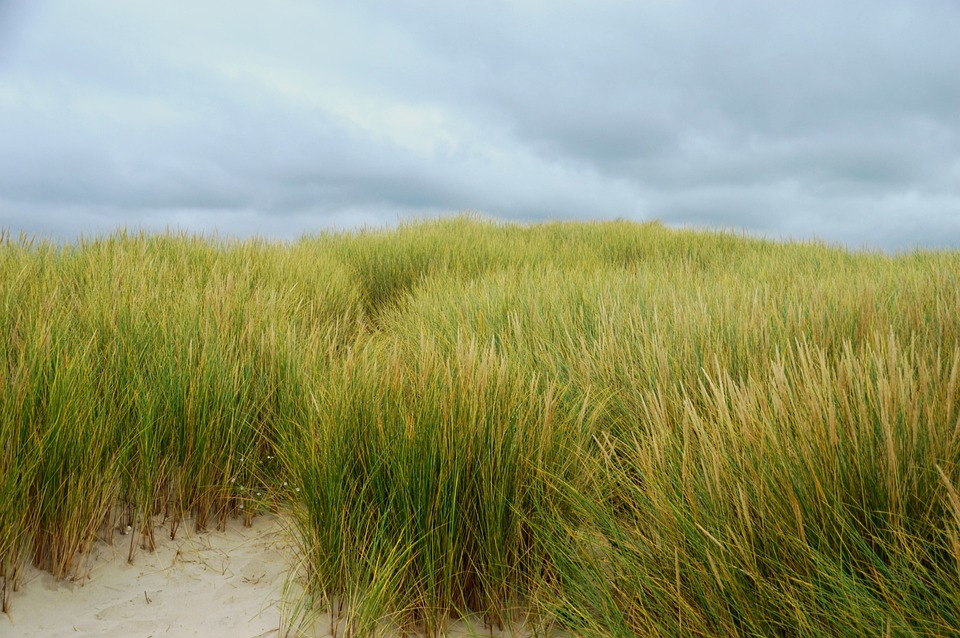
{"x": 422, "y": 478}
{"x": 139, "y": 372}
{"x": 606, "y": 429}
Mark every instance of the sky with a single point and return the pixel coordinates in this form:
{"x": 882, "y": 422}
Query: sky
{"x": 830, "y": 119}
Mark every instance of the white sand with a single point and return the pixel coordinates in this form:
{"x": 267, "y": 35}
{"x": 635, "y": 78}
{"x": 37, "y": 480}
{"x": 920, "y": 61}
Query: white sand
{"x": 210, "y": 585}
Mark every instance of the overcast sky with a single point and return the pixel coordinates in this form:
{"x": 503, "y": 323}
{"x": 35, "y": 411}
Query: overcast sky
{"x": 838, "y": 119}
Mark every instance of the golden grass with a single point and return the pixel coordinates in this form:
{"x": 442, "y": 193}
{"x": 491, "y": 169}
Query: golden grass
{"x": 606, "y": 429}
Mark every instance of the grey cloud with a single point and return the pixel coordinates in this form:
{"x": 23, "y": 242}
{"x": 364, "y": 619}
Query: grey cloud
{"x": 839, "y": 119}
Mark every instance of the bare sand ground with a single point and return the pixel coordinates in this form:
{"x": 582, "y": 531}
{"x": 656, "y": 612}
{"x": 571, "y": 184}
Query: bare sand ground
{"x": 202, "y": 584}
{"x": 209, "y": 584}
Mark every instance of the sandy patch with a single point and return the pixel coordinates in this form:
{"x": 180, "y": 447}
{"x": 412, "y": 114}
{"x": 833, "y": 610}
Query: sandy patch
{"x": 209, "y": 584}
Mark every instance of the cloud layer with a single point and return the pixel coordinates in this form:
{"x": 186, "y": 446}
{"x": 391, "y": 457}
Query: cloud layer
{"x": 832, "y": 119}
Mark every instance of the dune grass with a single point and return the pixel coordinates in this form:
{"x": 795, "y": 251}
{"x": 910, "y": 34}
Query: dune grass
{"x": 606, "y": 429}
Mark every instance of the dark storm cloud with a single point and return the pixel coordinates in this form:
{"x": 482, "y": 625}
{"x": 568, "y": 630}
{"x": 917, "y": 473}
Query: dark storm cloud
{"x": 834, "y": 119}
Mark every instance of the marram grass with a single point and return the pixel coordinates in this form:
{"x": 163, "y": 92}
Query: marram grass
{"x": 607, "y": 429}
